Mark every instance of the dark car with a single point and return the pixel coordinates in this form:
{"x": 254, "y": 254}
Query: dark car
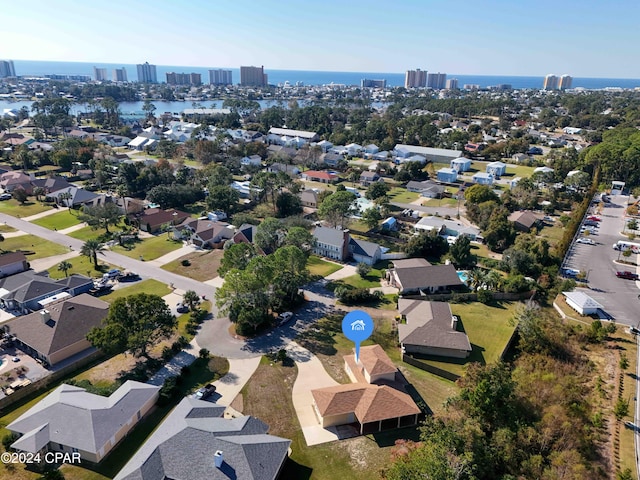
{"x": 182, "y": 308}
{"x": 205, "y": 391}
{"x": 129, "y": 277}
{"x": 591, "y": 223}
{"x": 627, "y": 275}
{"x": 535, "y": 151}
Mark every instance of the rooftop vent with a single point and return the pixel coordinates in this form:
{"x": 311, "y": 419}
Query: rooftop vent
{"x": 218, "y": 458}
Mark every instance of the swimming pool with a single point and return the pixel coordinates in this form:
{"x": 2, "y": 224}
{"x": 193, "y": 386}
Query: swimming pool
{"x": 363, "y": 204}
{"x": 463, "y": 275}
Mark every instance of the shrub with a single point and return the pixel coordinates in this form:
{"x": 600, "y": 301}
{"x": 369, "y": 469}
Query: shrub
{"x": 167, "y": 353}
{"x": 185, "y": 263}
{"x": 363, "y": 269}
{"x": 185, "y": 371}
{"x": 8, "y": 439}
{"x": 621, "y": 408}
{"x": 485, "y": 296}
{"x": 204, "y": 353}
{"x": 358, "y": 295}
{"x": 168, "y": 391}
{"x": 624, "y": 362}
{"x": 176, "y": 347}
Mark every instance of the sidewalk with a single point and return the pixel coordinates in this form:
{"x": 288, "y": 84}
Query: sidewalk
{"x": 46, "y": 263}
{"x": 344, "y": 272}
{"x": 73, "y": 228}
{"x": 171, "y": 256}
{"x": 46, "y": 213}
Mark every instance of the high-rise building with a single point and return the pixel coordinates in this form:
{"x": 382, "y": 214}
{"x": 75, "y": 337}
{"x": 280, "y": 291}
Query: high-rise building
{"x": 147, "y": 73}
{"x": 452, "y": 84}
{"x": 220, "y": 77}
{"x": 415, "y": 78}
{"x": 120, "y": 74}
{"x": 369, "y": 83}
{"x": 436, "y": 81}
{"x": 99, "y": 74}
{"x": 565, "y": 82}
{"x": 7, "y": 69}
{"x": 253, "y": 77}
{"x": 184, "y": 78}
{"x": 550, "y": 82}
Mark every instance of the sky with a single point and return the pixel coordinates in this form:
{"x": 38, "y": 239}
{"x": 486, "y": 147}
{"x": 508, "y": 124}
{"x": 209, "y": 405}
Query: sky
{"x": 589, "y": 38}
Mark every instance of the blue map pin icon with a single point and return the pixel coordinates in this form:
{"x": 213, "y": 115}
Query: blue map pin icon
{"x": 357, "y": 326}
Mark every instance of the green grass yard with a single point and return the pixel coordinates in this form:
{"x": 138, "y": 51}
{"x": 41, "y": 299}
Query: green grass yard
{"x": 402, "y": 195}
{"x": 12, "y": 207}
{"x": 7, "y": 229}
{"x": 59, "y": 221}
{"x": 42, "y": 248}
{"x": 150, "y": 286}
{"x": 149, "y": 248}
{"x": 82, "y": 265}
{"x": 320, "y": 267}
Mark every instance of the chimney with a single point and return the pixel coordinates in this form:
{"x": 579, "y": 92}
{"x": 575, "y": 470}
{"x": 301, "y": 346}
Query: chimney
{"x": 44, "y": 316}
{"x": 345, "y": 244}
{"x": 218, "y": 458}
{"x": 454, "y": 322}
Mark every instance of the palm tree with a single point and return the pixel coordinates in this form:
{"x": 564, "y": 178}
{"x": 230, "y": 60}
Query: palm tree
{"x": 191, "y": 298}
{"x": 91, "y": 248}
{"x": 477, "y": 278}
{"x": 66, "y": 196}
{"x": 492, "y": 280}
{"x": 64, "y": 266}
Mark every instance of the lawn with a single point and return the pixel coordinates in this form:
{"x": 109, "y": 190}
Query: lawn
{"x": 83, "y": 266}
{"x": 355, "y": 458}
{"x": 184, "y": 319}
{"x": 371, "y": 280}
{"x": 521, "y": 171}
{"x": 402, "y": 195}
{"x": 150, "y": 286}
{"x": 42, "y": 248}
{"x": 440, "y": 202}
{"x": 552, "y": 233}
{"x": 488, "y": 328}
{"x": 12, "y": 207}
{"x": 86, "y": 233}
{"x": 6, "y": 229}
{"x": 58, "y": 221}
{"x": 149, "y": 248}
{"x": 203, "y": 265}
{"x": 320, "y": 267}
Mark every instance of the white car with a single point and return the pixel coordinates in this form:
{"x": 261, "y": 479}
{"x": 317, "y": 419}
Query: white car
{"x": 585, "y": 240}
{"x": 284, "y": 317}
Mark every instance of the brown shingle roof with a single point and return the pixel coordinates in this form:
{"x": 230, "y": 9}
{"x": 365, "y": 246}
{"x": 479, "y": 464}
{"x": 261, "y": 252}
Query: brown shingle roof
{"x": 375, "y": 361}
{"x": 429, "y": 324}
{"x": 12, "y": 257}
{"x": 370, "y": 403}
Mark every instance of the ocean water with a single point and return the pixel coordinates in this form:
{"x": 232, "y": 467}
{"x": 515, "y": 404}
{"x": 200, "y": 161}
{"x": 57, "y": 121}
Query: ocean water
{"x": 40, "y": 68}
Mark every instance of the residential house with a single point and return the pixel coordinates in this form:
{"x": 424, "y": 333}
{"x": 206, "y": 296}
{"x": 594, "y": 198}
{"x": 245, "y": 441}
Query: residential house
{"x": 60, "y": 330}
{"x": 74, "y": 197}
{"x": 371, "y": 149}
{"x": 497, "y": 169}
{"x": 435, "y": 155}
{"x": 412, "y": 158}
{"x": 323, "y": 176}
{"x": 331, "y": 159}
{"x": 367, "y": 178}
{"x": 244, "y": 189}
{"x": 13, "y": 179}
{"x": 514, "y": 181}
{"x": 482, "y": 178}
{"x": 389, "y": 224}
{"x": 204, "y": 233}
{"x": 72, "y": 420}
{"x": 461, "y": 164}
{"x": 275, "y": 135}
{"x": 582, "y": 303}
{"x": 290, "y": 170}
{"x": 524, "y": 220}
{"x": 381, "y": 156}
{"x": 331, "y": 243}
{"x": 51, "y": 184}
{"x": 427, "y": 188}
{"x": 447, "y": 175}
{"x": 11, "y": 263}
{"x": 474, "y": 147}
{"x": 416, "y": 276}
{"x": 542, "y": 170}
{"x": 154, "y": 220}
{"x": 283, "y": 153}
{"x": 115, "y": 140}
{"x": 309, "y": 198}
{"x": 196, "y": 441}
{"x": 27, "y": 291}
{"x": 375, "y": 401}
{"x": 429, "y": 328}
{"x": 520, "y": 158}
{"x": 246, "y": 233}
{"x": 324, "y": 145}
{"x": 353, "y": 149}
{"x": 253, "y": 160}
{"x": 364, "y": 252}
{"x": 447, "y": 228}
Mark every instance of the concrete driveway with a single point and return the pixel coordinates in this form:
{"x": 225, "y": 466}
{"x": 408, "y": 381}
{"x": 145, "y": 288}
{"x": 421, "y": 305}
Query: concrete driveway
{"x": 311, "y": 375}
{"x": 229, "y": 386}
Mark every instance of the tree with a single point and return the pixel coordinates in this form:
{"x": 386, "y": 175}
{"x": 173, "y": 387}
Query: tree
{"x": 477, "y": 194}
{"x": 426, "y": 244}
{"x": 175, "y": 196}
{"x": 337, "y": 207}
{"x": 270, "y": 234}
{"x": 371, "y": 217}
{"x": 301, "y": 238}
{"x": 101, "y": 216}
{"x": 237, "y": 257}
{"x": 376, "y": 190}
{"x": 39, "y": 192}
{"x": 460, "y": 252}
{"x": 288, "y": 204}
{"x": 621, "y": 408}
{"x": 223, "y": 198}
{"x": 20, "y": 195}
{"x": 363, "y": 269}
{"x": 134, "y": 323}
{"x": 191, "y": 299}
{"x": 91, "y": 248}
{"x": 64, "y": 266}
{"x": 148, "y": 108}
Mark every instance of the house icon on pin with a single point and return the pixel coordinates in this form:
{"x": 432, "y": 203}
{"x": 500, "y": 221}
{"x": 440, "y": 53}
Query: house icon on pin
{"x": 358, "y": 325}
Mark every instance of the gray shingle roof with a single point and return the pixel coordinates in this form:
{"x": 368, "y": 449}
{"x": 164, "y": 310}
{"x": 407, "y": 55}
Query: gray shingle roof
{"x": 78, "y": 419}
{"x": 183, "y": 447}
{"x": 362, "y": 247}
{"x": 425, "y": 277}
{"x": 329, "y": 236}
{"x": 429, "y": 325}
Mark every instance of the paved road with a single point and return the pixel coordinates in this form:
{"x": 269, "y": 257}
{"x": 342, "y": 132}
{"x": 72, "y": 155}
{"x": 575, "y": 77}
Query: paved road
{"x": 618, "y": 297}
{"x": 442, "y": 211}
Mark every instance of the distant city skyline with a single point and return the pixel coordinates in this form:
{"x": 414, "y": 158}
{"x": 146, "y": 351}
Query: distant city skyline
{"x": 497, "y": 37}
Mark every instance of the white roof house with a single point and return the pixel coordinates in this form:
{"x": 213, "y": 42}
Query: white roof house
{"x": 582, "y": 303}
{"x": 542, "y": 170}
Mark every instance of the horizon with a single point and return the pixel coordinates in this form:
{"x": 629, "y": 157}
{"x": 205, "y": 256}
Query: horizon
{"x": 266, "y": 69}
{"x": 358, "y": 36}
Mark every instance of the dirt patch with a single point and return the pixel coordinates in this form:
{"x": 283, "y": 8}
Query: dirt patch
{"x": 238, "y": 403}
{"x": 202, "y": 265}
{"x": 109, "y": 370}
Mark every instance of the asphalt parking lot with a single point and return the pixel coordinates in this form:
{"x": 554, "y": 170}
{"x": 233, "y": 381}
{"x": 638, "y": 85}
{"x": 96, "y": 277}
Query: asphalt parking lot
{"x": 619, "y": 297}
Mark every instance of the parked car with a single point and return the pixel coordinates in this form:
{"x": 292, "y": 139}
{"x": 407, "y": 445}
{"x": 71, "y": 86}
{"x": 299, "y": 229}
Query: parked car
{"x": 586, "y": 241}
{"x": 5, "y": 196}
{"x": 534, "y": 151}
{"x": 284, "y": 318}
{"x": 205, "y": 391}
{"x": 595, "y": 218}
{"x": 627, "y": 275}
{"x": 112, "y": 274}
{"x": 15, "y": 359}
{"x": 591, "y": 223}
{"x": 129, "y": 277}
{"x": 182, "y": 308}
